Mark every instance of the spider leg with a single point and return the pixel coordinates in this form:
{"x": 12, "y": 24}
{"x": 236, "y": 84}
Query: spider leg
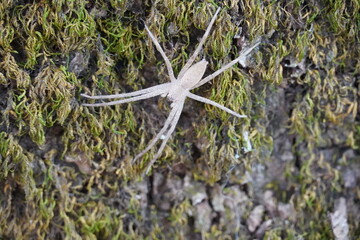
{"x": 125, "y": 95}
{"x": 167, "y": 61}
{"x": 132, "y": 99}
{"x": 198, "y": 48}
{"x": 173, "y": 124}
{"x": 243, "y": 54}
{"x": 205, "y": 100}
{"x": 158, "y": 136}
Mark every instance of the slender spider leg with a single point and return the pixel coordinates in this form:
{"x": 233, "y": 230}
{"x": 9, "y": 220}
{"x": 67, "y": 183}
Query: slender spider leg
{"x": 132, "y": 99}
{"x": 227, "y": 66}
{"x": 158, "y": 136}
{"x": 198, "y": 48}
{"x": 205, "y": 100}
{"x": 167, "y": 61}
{"x": 173, "y": 124}
{"x": 244, "y": 52}
{"x": 131, "y": 94}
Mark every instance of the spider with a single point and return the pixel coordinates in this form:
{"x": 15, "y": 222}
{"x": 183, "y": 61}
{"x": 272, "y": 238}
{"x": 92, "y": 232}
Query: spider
{"x": 177, "y": 90}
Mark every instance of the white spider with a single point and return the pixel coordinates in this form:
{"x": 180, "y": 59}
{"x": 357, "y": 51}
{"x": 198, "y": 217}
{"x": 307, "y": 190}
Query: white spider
{"x": 176, "y": 91}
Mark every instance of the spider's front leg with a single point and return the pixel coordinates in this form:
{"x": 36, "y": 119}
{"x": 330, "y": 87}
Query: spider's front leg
{"x": 179, "y": 105}
{"x": 129, "y": 97}
{"x": 166, "y": 131}
{"x": 158, "y": 136}
{"x": 125, "y": 95}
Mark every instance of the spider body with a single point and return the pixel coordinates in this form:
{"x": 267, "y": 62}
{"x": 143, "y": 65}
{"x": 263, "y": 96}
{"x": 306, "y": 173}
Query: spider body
{"x": 177, "y": 90}
{"x": 180, "y": 87}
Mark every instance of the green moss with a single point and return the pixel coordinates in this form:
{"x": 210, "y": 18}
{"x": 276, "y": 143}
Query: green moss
{"x": 50, "y": 52}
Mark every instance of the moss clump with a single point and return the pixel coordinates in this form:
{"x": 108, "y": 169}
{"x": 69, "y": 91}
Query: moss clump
{"x": 66, "y": 170}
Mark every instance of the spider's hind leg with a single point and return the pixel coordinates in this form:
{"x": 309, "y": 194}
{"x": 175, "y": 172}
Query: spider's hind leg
{"x": 198, "y": 48}
{"x": 161, "y": 51}
{"x": 208, "y": 101}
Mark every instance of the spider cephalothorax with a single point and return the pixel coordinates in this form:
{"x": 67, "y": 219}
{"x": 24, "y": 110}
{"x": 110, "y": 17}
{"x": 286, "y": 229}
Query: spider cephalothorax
{"x": 177, "y": 90}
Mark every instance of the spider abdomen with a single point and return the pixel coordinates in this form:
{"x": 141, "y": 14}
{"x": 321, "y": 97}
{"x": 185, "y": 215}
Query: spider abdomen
{"x": 193, "y": 75}
{"x": 181, "y": 86}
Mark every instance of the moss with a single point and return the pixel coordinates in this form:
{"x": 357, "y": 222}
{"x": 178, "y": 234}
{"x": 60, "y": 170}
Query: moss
{"x": 66, "y": 170}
